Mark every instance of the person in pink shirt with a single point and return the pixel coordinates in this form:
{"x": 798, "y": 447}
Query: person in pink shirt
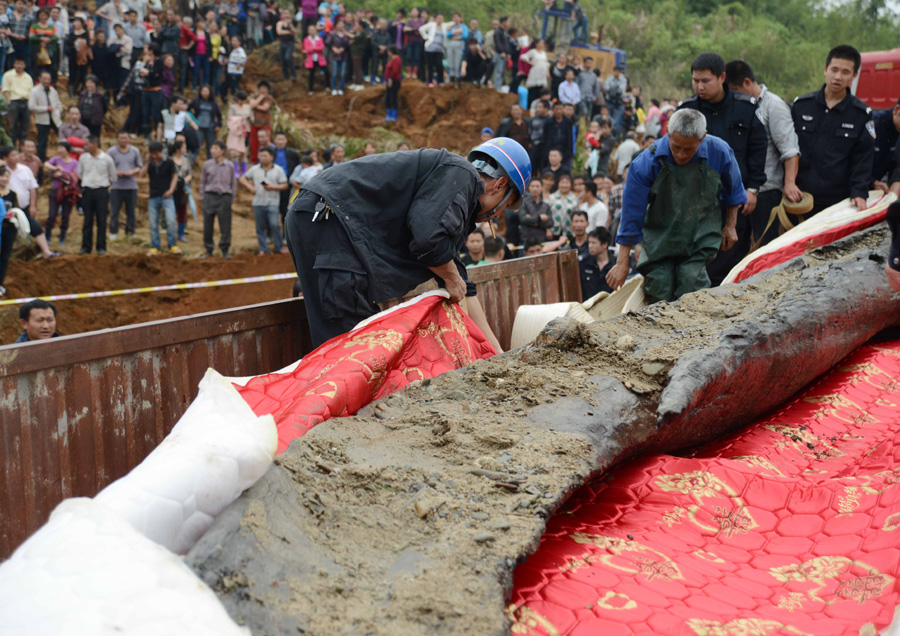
{"x": 653, "y": 120}
{"x": 314, "y": 48}
{"x": 201, "y": 55}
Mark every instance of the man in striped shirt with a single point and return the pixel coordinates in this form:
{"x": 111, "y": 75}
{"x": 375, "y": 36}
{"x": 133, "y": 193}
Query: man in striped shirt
{"x": 19, "y": 24}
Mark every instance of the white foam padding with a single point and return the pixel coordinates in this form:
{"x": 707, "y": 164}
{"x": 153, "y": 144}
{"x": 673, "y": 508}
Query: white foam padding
{"x": 218, "y": 449}
{"x": 87, "y": 571}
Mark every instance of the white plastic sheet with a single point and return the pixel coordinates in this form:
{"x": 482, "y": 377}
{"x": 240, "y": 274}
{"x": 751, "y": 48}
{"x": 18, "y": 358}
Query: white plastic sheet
{"x": 106, "y": 565}
{"x": 87, "y": 571}
{"x": 218, "y": 449}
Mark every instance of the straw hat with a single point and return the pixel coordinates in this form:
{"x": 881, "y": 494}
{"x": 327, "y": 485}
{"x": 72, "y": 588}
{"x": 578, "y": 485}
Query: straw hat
{"x": 629, "y": 297}
{"x": 531, "y": 320}
{"x": 593, "y": 300}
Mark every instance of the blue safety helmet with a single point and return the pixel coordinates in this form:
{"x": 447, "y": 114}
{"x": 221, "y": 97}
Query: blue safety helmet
{"x": 504, "y": 157}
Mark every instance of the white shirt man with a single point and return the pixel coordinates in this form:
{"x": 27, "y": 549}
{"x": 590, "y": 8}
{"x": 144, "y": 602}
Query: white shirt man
{"x": 126, "y": 45}
{"x": 598, "y": 213}
{"x": 625, "y": 153}
{"x": 569, "y": 93}
{"x": 23, "y": 183}
{"x": 62, "y": 25}
{"x": 44, "y": 103}
{"x": 301, "y": 175}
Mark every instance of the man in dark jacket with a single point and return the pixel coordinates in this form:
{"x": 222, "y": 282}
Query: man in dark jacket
{"x": 886, "y": 164}
{"x": 372, "y": 229}
{"x": 558, "y": 136}
{"x": 516, "y": 126}
{"x": 288, "y": 159}
{"x": 474, "y": 67}
{"x": 837, "y": 136}
{"x": 731, "y": 115}
{"x": 169, "y": 34}
{"x": 502, "y": 51}
{"x": 536, "y": 128}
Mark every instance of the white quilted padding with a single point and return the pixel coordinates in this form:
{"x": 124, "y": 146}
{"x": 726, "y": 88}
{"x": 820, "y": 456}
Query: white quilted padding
{"x": 89, "y": 572}
{"x": 218, "y": 449}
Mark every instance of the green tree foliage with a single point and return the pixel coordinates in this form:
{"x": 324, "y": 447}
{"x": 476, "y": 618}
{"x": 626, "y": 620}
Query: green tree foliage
{"x": 785, "y": 41}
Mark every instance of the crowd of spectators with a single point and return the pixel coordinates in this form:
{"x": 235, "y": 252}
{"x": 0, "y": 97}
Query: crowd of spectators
{"x": 582, "y": 132}
{"x": 177, "y": 71}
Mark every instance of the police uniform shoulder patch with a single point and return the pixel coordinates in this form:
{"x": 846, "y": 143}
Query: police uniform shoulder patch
{"x": 687, "y": 100}
{"x": 860, "y": 104}
{"x": 744, "y": 97}
{"x": 806, "y": 96}
{"x": 870, "y": 126}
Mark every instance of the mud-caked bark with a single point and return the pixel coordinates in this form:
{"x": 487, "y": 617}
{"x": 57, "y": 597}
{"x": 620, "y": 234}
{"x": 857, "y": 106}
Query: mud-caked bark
{"x": 410, "y": 517}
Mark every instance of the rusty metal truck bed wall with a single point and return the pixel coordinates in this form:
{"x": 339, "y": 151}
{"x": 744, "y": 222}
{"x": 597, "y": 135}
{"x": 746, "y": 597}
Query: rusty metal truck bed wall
{"x": 81, "y": 411}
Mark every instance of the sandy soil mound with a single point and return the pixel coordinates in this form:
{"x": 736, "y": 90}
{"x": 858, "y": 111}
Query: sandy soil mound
{"x": 440, "y": 117}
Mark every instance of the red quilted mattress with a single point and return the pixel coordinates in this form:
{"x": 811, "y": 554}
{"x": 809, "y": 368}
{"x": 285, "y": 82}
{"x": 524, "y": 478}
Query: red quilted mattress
{"x": 412, "y": 342}
{"x": 828, "y": 226}
{"x": 791, "y": 527}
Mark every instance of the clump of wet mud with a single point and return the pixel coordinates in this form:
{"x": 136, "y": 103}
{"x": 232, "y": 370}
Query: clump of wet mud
{"x": 410, "y": 517}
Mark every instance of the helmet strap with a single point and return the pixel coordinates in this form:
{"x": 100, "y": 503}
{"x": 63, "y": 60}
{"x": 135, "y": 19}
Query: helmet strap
{"x": 490, "y": 214}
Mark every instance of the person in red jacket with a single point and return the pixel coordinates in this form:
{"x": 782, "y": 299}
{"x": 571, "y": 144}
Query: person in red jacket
{"x": 187, "y": 42}
{"x": 393, "y": 73}
{"x": 314, "y": 48}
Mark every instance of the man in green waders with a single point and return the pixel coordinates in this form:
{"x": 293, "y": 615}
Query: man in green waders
{"x": 672, "y": 205}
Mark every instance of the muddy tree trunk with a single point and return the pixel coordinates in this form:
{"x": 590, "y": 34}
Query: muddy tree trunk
{"x": 410, "y": 517}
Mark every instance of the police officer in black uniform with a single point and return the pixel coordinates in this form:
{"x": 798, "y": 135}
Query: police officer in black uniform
{"x": 885, "y": 165}
{"x": 892, "y": 269}
{"x": 837, "y": 136}
{"x": 731, "y": 116}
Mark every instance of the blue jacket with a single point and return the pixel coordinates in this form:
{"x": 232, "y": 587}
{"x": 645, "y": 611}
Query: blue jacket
{"x": 646, "y": 167}
{"x": 465, "y": 31}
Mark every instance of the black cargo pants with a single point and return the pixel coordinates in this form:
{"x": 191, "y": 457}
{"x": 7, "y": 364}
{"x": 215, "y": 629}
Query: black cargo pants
{"x": 334, "y": 283}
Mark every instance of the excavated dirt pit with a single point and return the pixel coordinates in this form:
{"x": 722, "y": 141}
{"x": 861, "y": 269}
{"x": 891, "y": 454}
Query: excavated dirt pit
{"x": 100, "y": 273}
{"x": 438, "y": 117}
